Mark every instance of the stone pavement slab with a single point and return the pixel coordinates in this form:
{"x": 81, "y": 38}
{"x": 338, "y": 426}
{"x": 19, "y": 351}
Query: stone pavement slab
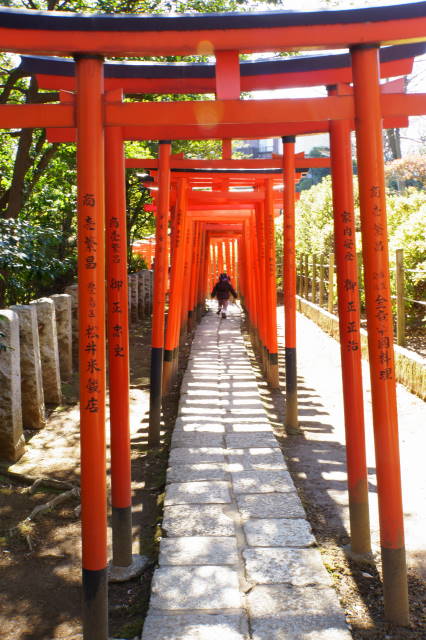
{"x": 283, "y": 612}
{"x": 299, "y": 567}
{"x": 197, "y": 520}
{"x": 195, "y": 626}
{"x": 208, "y": 439}
{"x": 256, "y": 458}
{"x": 182, "y": 455}
{"x": 249, "y": 440}
{"x": 201, "y": 471}
{"x": 197, "y": 550}
{"x": 245, "y": 426}
{"x": 278, "y": 532}
{"x": 262, "y": 481}
{"x": 191, "y": 426}
{"x": 268, "y": 505}
{"x": 237, "y": 560}
{"x": 206, "y": 588}
{"x": 213, "y": 491}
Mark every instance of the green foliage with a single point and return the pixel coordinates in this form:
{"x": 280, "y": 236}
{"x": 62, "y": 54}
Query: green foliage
{"x": 38, "y": 179}
{"x": 137, "y": 263}
{"x": 314, "y": 219}
{"x": 407, "y": 231}
{"x": 406, "y": 216}
{"x": 28, "y": 262}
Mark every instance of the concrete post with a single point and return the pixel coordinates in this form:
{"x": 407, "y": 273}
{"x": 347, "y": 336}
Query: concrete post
{"x": 63, "y": 311}
{"x": 150, "y": 288}
{"x": 32, "y": 395}
{"x": 145, "y": 280}
{"x": 134, "y": 278}
{"x": 72, "y": 291}
{"x": 141, "y": 295}
{"x": 46, "y": 319}
{"x": 129, "y": 298}
{"x": 12, "y": 443}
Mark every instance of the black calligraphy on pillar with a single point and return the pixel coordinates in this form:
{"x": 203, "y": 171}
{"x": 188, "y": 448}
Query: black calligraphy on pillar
{"x": 351, "y": 300}
{"x": 382, "y": 310}
{"x": 89, "y": 200}
{"x": 117, "y": 288}
{"x": 92, "y": 405}
{"x": 90, "y": 341}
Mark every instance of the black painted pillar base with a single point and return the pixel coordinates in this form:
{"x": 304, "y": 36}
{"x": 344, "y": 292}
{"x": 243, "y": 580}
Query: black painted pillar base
{"x": 190, "y": 321}
{"x": 395, "y": 589}
{"x": 175, "y": 363}
{"x": 121, "y": 536}
{"x": 167, "y": 371}
{"x": 155, "y": 396}
{"x": 291, "y": 413}
{"x": 95, "y": 604}
{"x": 273, "y": 372}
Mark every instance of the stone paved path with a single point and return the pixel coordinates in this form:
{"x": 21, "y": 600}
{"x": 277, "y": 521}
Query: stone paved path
{"x": 238, "y": 559}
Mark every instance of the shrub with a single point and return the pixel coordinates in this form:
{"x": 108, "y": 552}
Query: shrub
{"x": 29, "y": 266}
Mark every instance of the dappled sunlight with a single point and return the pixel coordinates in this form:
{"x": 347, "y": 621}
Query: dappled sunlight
{"x": 204, "y": 427}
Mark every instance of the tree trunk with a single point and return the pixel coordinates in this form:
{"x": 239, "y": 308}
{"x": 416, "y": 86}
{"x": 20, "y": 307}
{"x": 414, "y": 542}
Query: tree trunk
{"x": 394, "y": 142}
{"x": 22, "y": 164}
{"x": 23, "y": 161}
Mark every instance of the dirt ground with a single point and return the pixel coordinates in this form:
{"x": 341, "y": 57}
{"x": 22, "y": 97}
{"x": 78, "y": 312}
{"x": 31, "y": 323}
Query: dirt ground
{"x": 40, "y": 561}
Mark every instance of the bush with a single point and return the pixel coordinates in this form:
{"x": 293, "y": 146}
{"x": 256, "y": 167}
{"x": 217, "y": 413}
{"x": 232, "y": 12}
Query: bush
{"x": 406, "y": 214}
{"x": 29, "y": 266}
{"x": 407, "y": 231}
{"x": 136, "y": 263}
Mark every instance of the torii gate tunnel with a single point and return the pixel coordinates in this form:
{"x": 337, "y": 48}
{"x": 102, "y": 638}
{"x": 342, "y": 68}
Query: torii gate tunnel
{"x": 227, "y": 225}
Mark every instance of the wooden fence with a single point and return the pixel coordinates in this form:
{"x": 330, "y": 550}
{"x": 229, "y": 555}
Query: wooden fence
{"x": 316, "y": 281}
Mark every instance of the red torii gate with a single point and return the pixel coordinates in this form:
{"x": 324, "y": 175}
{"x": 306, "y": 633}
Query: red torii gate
{"x": 42, "y": 33}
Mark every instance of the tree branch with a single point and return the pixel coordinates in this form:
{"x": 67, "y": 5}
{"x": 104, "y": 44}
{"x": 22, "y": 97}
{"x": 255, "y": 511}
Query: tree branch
{"x": 29, "y": 4}
{"x": 42, "y": 98}
{"x": 14, "y": 75}
{"x": 41, "y": 166}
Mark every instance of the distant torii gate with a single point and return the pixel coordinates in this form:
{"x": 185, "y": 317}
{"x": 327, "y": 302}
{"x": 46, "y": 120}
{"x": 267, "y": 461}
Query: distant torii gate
{"x": 363, "y": 31}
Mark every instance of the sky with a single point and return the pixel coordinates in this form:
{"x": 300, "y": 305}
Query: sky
{"x": 417, "y": 84}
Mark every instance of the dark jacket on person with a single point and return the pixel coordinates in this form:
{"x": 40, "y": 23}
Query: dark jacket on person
{"x": 222, "y": 290}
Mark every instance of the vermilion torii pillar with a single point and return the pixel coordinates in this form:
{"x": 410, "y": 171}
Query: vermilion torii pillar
{"x": 349, "y": 328}
{"x": 259, "y": 262}
{"x": 379, "y": 326}
{"x": 159, "y": 297}
{"x": 289, "y": 284}
{"x": 176, "y": 289}
{"x": 91, "y": 291}
{"x": 118, "y": 347}
{"x": 271, "y": 288}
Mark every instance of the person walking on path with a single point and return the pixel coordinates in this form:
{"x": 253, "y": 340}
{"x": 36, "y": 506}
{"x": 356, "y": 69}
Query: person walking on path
{"x": 222, "y": 290}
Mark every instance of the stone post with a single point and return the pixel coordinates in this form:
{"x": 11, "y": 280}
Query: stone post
{"x": 63, "y": 311}
{"x": 48, "y": 350}
{"x": 141, "y": 295}
{"x": 134, "y": 278}
{"x": 12, "y": 443}
{"x": 129, "y": 296}
{"x": 32, "y": 395}
{"x": 145, "y": 284}
{"x": 149, "y": 289}
{"x": 72, "y": 291}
